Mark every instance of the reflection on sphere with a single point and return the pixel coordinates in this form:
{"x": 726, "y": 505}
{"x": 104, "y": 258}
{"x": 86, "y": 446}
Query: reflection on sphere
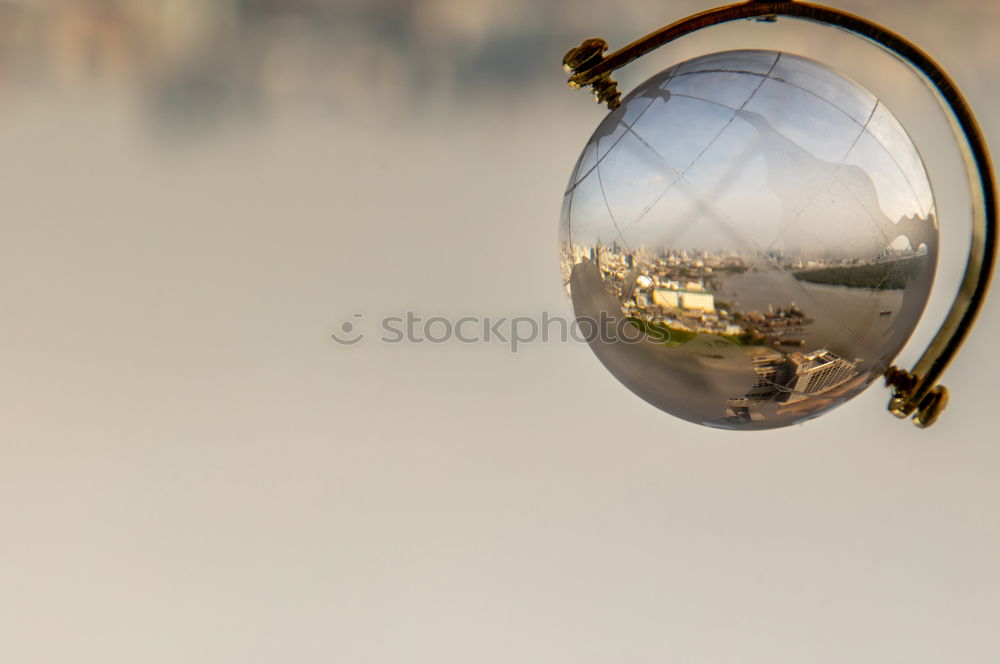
{"x": 763, "y": 227}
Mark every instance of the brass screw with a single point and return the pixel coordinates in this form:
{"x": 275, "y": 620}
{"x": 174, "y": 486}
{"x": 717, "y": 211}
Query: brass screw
{"x": 586, "y": 56}
{"x": 931, "y": 407}
{"x": 927, "y": 411}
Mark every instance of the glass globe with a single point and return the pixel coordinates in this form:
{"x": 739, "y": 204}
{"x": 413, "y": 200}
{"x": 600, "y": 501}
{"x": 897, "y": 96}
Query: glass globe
{"x": 749, "y": 239}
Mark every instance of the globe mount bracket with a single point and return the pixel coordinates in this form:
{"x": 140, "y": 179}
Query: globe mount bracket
{"x": 915, "y": 393}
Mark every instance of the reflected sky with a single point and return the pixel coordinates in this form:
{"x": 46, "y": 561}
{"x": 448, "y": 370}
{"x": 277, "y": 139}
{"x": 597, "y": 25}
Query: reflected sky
{"x": 750, "y": 150}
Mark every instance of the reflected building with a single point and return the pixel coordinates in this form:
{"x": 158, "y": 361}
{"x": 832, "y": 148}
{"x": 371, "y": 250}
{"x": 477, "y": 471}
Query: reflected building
{"x": 818, "y": 372}
{"x": 774, "y": 374}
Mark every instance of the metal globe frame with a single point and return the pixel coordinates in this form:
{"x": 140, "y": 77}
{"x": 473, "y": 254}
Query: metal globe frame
{"x": 916, "y": 392}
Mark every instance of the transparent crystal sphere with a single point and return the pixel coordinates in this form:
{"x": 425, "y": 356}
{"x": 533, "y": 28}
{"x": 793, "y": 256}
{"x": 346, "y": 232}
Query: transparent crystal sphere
{"x": 749, "y": 239}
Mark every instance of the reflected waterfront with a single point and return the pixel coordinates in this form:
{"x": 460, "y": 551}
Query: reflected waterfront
{"x": 769, "y": 226}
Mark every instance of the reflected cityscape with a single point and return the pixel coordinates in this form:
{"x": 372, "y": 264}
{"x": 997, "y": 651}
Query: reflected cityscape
{"x": 766, "y": 223}
{"x": 675, "y": 295}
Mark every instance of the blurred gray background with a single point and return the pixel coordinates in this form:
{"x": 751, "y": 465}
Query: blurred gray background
{"x": 197, "y": 194}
